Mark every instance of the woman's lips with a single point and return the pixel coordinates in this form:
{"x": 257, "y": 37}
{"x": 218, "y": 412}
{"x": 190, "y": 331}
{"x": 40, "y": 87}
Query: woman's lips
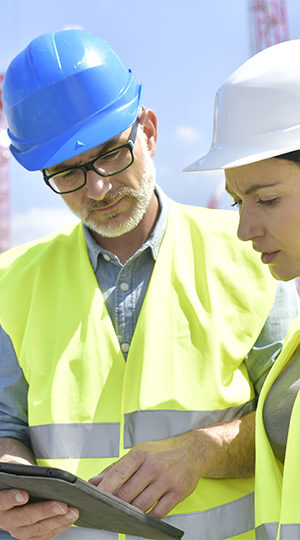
{"x": 267, "y": 258}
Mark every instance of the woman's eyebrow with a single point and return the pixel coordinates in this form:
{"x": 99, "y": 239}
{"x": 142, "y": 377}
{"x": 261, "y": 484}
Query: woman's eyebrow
{"x": 252, "y": 189}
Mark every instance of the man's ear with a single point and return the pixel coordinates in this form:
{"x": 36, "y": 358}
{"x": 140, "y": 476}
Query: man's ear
{"x": 148, "y": 120}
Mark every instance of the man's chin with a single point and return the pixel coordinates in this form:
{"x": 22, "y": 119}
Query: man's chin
{"x": 113, "y": 230}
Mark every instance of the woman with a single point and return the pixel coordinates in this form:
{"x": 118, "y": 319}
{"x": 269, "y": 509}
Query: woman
{"x": 256, "y": 141}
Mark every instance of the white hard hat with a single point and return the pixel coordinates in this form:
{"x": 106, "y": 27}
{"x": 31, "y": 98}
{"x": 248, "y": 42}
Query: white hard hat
{"x": 257, "y": 110}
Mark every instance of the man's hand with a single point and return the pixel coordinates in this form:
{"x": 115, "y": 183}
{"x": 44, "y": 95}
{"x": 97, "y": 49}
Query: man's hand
{"x": 157, "y": 475}
{"x": 160, "y": 473}
{"x": 38, "y": 521}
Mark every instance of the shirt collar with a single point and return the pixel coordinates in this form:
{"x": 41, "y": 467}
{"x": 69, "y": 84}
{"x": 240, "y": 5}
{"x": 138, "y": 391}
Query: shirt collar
{"x": 154, "y": 240}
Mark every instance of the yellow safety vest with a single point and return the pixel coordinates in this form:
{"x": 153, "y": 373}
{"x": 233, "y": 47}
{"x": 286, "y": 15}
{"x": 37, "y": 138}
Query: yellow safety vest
{"x": 277, "y": 487}
{"x": 206, "y": 304}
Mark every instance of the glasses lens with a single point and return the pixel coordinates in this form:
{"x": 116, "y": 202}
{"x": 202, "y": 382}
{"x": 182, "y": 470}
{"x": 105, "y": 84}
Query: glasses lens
{"x": 115, "y": 161}
{"x": 67, "y": 180}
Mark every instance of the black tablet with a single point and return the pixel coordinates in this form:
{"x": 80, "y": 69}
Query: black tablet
{"x": 97, "y": 509}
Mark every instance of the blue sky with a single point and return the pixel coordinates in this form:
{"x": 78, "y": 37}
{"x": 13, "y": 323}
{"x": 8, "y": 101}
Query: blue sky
{"x": 182, "y": 51}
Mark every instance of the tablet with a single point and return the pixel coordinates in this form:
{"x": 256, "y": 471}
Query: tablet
{"x": 97, "y": 509}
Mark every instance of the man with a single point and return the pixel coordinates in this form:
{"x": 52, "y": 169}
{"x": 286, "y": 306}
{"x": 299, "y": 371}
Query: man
{"x": 136, "y": 380}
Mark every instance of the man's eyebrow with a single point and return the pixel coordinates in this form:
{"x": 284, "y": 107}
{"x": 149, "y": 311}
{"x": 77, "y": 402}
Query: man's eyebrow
{"x": 252, "y": 189}
{"x": 106, "y": 146}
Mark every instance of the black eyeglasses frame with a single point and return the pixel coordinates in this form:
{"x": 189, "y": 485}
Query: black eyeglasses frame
{"x": 89, "y": 166}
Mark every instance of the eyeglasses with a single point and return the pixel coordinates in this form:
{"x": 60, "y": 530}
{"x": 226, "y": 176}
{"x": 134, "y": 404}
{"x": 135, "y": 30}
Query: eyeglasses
{"x": 110, "y": 163}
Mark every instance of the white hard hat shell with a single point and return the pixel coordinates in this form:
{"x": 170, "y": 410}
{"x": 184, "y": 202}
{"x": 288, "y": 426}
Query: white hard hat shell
{"x": 257, "y": 110}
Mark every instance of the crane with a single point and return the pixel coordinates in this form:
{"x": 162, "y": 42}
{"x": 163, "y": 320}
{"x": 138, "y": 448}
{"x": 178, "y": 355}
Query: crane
{"x": 268, "y": 24}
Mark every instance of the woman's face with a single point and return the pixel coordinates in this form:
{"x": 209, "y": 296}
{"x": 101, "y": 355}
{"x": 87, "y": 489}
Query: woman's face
{"x": 267, "y": 194}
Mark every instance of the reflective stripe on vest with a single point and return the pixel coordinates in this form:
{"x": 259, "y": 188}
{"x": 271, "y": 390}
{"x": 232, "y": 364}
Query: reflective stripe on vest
{"x": 143, "y": 426}
{"x": 267, "y": 531}
{"x": 290, "y": 531}
{"x": 224, "y": 521}
{"x": 75, "y": 441}
{"x": 82, "y": 533}
{"x": 100, "y": 440}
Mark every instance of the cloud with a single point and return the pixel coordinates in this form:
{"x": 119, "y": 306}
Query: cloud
{"x": 187, "y": 134}
{"x": 38, "y": 222}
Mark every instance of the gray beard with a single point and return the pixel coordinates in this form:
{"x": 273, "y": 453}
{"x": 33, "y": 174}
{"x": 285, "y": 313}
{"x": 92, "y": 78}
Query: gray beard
{"x": 141, "y": 200}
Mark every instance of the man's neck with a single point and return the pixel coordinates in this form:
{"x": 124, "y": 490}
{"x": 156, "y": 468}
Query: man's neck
{"x": 129, "y": 243}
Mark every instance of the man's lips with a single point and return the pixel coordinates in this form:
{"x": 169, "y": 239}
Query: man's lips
{"x": 104, "y": 207}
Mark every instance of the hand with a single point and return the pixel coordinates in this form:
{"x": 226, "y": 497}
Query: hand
{"x": 156, "y": 474}
{"x": 37, "y": 521}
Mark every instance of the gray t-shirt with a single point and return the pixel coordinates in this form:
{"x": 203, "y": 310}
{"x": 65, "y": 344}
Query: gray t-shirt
{"x": 279, "y": 404}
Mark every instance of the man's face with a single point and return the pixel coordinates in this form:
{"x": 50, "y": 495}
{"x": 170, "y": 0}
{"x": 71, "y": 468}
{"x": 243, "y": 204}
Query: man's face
{"x": 113, "y": 206}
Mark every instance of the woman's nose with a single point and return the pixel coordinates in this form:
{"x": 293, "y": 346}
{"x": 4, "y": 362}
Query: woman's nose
{"x": 250, "y": 226}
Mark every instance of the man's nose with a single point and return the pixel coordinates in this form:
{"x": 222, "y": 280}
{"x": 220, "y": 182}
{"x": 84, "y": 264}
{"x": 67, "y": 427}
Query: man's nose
{"x": 97, "y": 186}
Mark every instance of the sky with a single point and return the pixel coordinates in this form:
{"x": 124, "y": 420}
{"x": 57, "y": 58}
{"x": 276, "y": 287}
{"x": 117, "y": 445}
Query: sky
{"x": 181, "y": 50}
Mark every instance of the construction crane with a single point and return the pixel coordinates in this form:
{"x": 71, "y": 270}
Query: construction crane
{"x": 268, "y": 24}
{"x": 5, "y": 230}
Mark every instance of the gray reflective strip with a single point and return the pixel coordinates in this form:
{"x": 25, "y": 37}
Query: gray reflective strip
{"x": 267, "y": 531}
{"x": 158, "y": 424}
{"x": 290, "y": 531}
{"x": 75, "y": 441}
{"x": 217, "y": 523}
{"x": 81, "y": 533}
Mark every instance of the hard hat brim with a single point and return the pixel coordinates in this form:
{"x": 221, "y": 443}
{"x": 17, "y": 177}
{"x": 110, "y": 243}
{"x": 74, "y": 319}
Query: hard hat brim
{"x": 244, "y": 153}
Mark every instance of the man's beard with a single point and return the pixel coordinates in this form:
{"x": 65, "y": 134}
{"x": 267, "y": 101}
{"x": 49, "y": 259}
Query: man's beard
{"x": 118, "y": 224}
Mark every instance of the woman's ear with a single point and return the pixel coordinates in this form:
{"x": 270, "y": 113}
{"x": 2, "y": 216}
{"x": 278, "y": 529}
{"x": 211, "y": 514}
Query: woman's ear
{"x": 148, "y": 120}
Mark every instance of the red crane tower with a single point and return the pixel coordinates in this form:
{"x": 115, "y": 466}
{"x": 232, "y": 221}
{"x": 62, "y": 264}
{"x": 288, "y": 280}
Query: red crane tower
{"x": 4, "y": 180}
{"x": 268, "y": 24}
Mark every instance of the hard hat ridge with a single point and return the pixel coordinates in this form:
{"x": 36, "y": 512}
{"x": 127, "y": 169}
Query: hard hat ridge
{"x": 257, "y": 110}
{"x": 65, "y": 94}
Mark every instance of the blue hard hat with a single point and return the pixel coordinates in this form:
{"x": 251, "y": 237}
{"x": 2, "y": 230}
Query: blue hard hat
{"x": 65, "y": 94}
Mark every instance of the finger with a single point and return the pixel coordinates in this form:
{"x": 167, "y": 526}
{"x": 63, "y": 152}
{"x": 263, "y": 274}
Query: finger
{"x": 149, "y": 496}
{"x": 53, "y": 533}
{"x": 118, "y": 475}
{"x": 136, "y": 487}
{"x": 96, "y": 479}
{"x": 9, "y": 498}
{"x": 165, "y": 505}
{"x": 48, "y": 528}
{"x": 34, "y": 512}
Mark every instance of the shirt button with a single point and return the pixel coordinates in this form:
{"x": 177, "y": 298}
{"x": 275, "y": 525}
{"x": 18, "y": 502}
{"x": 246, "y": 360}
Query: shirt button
{"x": 125, "y": 347}
{"x": 106, "y": 257}
{"x": 124, "y": 286}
